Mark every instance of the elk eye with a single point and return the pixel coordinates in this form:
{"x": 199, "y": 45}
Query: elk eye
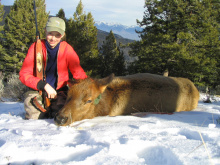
{"x": 89, "y": 101}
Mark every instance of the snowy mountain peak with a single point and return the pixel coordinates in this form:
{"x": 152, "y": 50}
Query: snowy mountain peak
{"x": 113, "y": 24}
{"x": 122, "y": 30}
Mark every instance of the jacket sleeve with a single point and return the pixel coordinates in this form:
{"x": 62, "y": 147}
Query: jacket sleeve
{"x": 26, "y": 74}
{"x": 74, "y": 64}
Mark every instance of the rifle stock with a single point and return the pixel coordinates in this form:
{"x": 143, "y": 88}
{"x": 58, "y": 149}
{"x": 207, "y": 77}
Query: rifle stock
{"x": 39, "y": 60}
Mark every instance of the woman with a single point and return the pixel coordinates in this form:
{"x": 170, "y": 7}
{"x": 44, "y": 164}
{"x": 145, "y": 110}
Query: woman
{"x": 59, "y": 57}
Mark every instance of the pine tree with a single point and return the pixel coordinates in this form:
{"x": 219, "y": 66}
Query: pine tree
{"x": 20, "y": 31}
{"x": 82, "y": 35}
{"x": 61, "y": 14}
{"x": 1, "y": 31}
{"x": 112, "y": 58}
{"x": 120, "y": 63}
{"x": 181, "y": 37}
{"x": 1, "y": 16}
{"x": 216, "y": 13}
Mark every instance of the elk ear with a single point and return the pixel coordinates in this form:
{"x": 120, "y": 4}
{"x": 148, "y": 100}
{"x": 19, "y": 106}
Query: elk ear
{"x": 103, "y": 83}
{"x": 106, "y": 80}
{"x": 70, "y": 83}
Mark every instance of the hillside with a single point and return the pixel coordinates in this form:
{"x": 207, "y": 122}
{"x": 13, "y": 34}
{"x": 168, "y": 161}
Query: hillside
{"x": 101, "y": 38}
{"x": 102, "y": 35}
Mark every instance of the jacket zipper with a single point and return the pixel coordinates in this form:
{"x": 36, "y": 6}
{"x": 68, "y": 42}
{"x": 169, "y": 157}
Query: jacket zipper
{"x": 57, "y": 66}
{"x": 44, "y": 77}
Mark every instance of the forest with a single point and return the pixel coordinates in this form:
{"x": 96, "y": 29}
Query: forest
{"x": 180, "y": 38}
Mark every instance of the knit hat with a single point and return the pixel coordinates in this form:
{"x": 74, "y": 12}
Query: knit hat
{"x": 56, "y": 24}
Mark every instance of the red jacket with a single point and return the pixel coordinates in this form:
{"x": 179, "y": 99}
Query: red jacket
{"x": 67, "y": 59}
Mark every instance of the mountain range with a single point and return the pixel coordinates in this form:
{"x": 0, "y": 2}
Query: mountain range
{"x": 128, "y": 32}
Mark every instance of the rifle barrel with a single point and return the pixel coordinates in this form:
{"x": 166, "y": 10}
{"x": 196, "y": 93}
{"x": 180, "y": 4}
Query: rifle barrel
{"x": 35, "y": 13}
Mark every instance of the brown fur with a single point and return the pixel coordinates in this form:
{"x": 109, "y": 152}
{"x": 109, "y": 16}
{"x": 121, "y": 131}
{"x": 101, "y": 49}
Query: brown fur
{"x": 125, "y": 95}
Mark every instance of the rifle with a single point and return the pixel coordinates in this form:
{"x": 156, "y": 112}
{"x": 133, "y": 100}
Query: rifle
{"x": 40, "y": 68}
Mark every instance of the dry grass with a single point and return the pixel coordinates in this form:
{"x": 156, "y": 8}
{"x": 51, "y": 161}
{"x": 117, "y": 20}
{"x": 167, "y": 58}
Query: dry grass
{"x": 210, "y": 158}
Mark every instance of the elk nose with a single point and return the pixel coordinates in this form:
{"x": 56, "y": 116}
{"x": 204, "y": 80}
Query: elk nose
{"x": 60, "y": 120}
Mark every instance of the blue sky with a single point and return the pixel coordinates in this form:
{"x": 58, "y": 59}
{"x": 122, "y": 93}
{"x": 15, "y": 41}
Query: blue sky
{"x": 124, "y": 12}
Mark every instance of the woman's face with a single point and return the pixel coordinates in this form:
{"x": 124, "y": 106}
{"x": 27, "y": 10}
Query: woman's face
{"x": 53, "y": 38}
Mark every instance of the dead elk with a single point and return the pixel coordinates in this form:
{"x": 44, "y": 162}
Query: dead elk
{"x": 124, "y": 95}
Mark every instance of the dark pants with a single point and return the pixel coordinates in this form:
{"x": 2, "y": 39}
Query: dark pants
{"x": 56, "y": 104}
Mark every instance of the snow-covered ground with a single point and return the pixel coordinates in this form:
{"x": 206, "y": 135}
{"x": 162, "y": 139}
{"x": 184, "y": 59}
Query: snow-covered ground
{"x": 151, "y": 139}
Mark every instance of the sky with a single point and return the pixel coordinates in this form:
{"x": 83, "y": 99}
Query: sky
{"x": 124, "y": 12}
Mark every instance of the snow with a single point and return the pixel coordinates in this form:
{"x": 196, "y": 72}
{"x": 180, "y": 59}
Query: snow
{"x": 151, "y": 139}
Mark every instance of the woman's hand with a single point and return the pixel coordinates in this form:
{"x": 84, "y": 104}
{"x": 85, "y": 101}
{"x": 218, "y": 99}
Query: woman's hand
{"x": 51, "y": 92}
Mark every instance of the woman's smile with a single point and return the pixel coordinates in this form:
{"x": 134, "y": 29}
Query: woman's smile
{"x": 53, "y": 38}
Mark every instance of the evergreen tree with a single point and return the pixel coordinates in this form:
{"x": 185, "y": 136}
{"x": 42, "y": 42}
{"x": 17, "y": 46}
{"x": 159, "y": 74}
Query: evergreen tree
{"x": 1, "y": 31}
{"x": 181, "y": 37}
{"x": 120, "y": 63}
{"x": 1, "y": 17}
{"x": 20, "y": 31}
{"x": 112, "y": 58}
{"x": 82, "y": 35}
{"x": 216, "y": 13}
{"x": 61, "y": 14}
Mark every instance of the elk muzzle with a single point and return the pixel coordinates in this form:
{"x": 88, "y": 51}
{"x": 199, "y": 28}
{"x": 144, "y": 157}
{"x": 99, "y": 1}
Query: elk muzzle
{"x": 60, "y": 120}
